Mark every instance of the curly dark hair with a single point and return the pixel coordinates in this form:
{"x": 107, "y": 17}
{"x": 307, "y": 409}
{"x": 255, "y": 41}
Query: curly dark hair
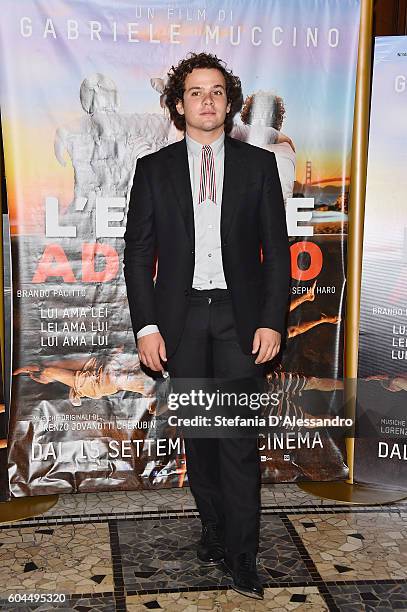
{"x": 175, "y": 87}
{"x": 264, "y": 97}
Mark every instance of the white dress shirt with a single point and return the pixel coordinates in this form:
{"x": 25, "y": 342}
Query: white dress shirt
{"x": 208, "y": 271}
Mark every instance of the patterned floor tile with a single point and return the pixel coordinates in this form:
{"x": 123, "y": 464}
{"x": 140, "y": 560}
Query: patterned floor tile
{"x": 122, "y": 502}
{"x": 288, "y": 496}
{"x": 277, "y": 496}
{"x": 161, "y": 554}
{"x": 370, "y": 597}
{"x": 62, "y": 559}
{"x": 359, "y": 546}
{"x": 80, "y": 604}
{"x": 292, "y": 598}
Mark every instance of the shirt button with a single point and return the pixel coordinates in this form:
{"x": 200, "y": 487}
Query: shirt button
{"x": 210, "y": 282}
{"x": 209, "y": 254}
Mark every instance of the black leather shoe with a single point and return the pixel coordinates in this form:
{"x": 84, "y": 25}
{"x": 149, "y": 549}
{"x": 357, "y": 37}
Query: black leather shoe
{"x": 210, "y": 548}
{"x": 246, "y": 581}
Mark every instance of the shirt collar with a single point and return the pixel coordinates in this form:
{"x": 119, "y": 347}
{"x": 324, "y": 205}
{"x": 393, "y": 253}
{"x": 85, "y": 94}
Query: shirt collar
{"x": 195, "y": 147}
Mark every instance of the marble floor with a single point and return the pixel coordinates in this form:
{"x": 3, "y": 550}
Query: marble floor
{"x": 135, "y": 551}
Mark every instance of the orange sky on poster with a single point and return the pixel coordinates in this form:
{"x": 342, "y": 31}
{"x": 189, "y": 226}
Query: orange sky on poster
{"x": 29, "y": 153}
{"x": 324, "y": 167}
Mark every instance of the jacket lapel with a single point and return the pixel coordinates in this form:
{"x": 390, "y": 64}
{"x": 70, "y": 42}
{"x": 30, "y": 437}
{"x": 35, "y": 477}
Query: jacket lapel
{"x": 181, "y": 182}
{"x": 233, "y": 184}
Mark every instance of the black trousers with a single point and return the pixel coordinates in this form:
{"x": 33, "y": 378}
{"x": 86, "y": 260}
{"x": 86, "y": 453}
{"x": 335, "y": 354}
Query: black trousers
{"x": 223, "y": 474}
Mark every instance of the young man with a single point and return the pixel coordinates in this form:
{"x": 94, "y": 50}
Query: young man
{"x": 211, "y": 209}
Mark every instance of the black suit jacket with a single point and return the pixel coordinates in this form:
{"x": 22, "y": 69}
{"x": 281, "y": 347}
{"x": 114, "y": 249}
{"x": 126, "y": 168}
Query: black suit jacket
{"x": 160, "y": 224}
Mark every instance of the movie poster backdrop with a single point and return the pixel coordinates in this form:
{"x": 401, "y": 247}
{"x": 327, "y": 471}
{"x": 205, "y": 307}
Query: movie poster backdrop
{"x": 381, "y": 448}
{"x": 81, "y": 100}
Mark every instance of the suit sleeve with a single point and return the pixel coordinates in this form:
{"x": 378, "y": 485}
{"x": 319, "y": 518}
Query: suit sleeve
{"x": 276, "y": 254}
{"x": 139, "y": 251}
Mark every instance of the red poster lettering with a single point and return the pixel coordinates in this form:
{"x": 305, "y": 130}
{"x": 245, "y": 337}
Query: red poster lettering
{"x": 89, "y": 252}
{"x": 316, "y": 260}
{"x": 54, "y": 263}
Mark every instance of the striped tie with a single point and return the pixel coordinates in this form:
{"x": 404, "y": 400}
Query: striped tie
{"x": 207, "y": 184}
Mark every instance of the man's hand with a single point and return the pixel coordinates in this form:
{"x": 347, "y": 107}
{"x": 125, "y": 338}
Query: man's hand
{"x": 283, "y": 138}
{"x": 266, "y": 342}
{"x": 151, "y": 349}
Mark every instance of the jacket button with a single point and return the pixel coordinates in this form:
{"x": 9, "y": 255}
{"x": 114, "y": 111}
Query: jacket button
{"x": 192, "y": 252}
{"x": 224, "y": 243}
{"x": 186, "y": 292}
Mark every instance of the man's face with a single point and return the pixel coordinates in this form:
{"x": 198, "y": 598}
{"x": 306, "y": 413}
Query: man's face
{"x": 205, "y": 104}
